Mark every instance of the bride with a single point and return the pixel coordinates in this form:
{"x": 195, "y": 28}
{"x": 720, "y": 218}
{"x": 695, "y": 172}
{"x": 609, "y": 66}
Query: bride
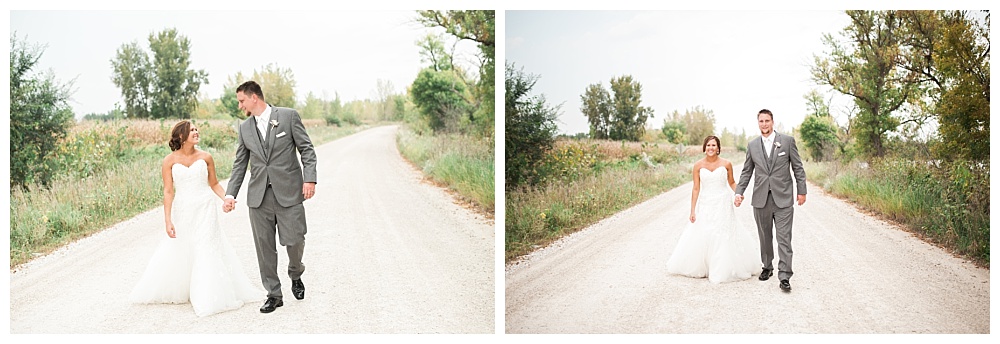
{"x": 195, "y": 263}
{"x": 712, "y": 244}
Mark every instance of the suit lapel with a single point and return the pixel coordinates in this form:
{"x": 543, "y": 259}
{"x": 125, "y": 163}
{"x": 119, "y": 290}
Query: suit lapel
{"x": 763, "y": 154}
{"x": 770, "y": 160}
{"x": 269, "y": 143}
{"x": 258, "y": 145}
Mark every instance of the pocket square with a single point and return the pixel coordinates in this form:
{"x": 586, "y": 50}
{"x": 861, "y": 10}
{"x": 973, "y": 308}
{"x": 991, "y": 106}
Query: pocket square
{"x": 782, "y": 153}
{"x": 280, "y": 134}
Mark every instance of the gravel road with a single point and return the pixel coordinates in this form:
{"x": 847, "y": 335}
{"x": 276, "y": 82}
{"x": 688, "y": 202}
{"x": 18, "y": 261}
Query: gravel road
{"x": 853, "y": 274}
{"x": 386, "y": 253}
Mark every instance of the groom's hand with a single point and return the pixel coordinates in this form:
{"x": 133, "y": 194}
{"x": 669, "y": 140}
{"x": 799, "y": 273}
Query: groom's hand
{"x": 229, "y": 205}
{"x": 802, "y": 199}
{"x": 308, "y": 190}
{"x": 739, "y": 200}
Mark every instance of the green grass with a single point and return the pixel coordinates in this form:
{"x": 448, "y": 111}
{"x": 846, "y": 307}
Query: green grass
{"x": 463, "y": 163}
{"x": 946, "y": 205}
{"x": 100, "y": 189}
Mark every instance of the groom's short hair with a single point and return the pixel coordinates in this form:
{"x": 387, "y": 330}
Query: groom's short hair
{"x": 768, "y": 112}
{"x": 251, "y": 87}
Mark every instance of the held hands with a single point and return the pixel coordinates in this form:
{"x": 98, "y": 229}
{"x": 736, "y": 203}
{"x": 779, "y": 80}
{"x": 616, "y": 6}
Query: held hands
{"x": 739, "y": 200}
{"x": 229, "y": 205}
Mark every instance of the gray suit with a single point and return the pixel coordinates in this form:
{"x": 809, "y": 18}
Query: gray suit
{"x": 772, "y": 198}
{"x": 275, "y": 189}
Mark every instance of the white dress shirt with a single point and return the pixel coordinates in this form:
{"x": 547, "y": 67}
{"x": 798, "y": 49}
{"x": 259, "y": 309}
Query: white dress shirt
{"x": 768, "y": 142}
{"x": 262, "y": 122}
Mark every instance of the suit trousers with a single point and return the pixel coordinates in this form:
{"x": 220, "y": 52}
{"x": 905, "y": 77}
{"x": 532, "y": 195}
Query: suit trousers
{"x": 772, "y": 220}
{"x": 290, "y": 225}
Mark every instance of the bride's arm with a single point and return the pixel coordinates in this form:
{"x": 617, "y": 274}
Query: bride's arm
{"x": 729, "y": 169}
{"x": 168, "y": 194}
{"x": 212, "y": 180}
{"x": 695, "y": 190}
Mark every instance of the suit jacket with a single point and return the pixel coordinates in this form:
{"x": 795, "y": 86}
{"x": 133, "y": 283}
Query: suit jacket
{"x": 773, "y": 174}
{"x": 274, "y": 160}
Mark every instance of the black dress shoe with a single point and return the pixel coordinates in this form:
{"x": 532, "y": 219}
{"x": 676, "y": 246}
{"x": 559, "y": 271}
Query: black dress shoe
{"x": 785, "y": 287}
{"x": 765, "y": 274}
{"x": 298, "y": 289}
{"x": 271, "y": 304}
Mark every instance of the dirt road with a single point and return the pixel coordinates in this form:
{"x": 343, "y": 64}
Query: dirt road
{"x": 385, "y": 253}
{"x": 853, "y": 274}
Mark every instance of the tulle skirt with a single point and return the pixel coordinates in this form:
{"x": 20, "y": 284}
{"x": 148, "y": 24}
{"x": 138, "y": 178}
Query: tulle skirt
{"x": 714, "y": 246}
{"x": 198, "y": 266}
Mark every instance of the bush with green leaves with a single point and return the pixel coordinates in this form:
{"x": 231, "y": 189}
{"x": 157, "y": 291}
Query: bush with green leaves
{"x": 39, "y": 116}
{"x": 530, "y": 126}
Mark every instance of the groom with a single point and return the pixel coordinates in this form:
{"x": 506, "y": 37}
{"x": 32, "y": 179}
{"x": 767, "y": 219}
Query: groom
{"x": 774, "y": 159}
{"x": 268, "y": 140}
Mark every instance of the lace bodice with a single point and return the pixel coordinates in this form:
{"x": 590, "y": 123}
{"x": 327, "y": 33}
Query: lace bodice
{"x": 714, "y": 181}
{"x": 190, "y": 180}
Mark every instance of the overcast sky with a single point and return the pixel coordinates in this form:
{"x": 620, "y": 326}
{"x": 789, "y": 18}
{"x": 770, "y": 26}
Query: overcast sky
{"x": 731, "y": 62}
{"x": 328, "y": 51}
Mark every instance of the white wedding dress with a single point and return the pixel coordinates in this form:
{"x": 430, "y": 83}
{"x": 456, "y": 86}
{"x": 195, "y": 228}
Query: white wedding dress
{"x": 198, "y": 265}
{"x": 714, "y": 245}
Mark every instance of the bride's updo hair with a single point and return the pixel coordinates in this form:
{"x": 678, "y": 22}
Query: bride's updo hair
{"x": 179, "y": 134}
{"x": 704, "y": 146}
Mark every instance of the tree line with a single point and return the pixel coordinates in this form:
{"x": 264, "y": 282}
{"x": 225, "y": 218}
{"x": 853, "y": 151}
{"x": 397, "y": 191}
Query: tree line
{"x": 449, "y": 98}
{"x": 905, "y": 70}
{"x": 157, "y": 81}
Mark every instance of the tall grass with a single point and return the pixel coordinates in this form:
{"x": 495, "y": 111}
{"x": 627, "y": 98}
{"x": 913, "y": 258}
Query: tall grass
{"x": 109, "y": 172}
{"x": 947, "y": 204}
{"x": 463, "y": 163}
{"x": 614, "y": 177}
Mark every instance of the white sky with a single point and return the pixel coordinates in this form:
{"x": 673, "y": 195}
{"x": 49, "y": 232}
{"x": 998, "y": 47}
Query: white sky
{"x": 328, "y": 51}
{"x": 731, "y": 62}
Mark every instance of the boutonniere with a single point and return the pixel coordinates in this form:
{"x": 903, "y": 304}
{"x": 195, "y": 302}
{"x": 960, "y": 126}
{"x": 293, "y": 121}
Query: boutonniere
{"x": 274, "y": 123}
{"x": 777, "y": 144}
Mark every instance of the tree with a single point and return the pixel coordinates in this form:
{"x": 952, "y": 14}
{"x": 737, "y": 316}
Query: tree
{"x": 617, "y": 115}
{"x": 629, "y": 117}
{"x": 39, "y": 116}
{"x": 867, "y": 71}
{"x": 699, "y": 123}
{"x": 596, "y": 104}
{"x": 175, "y": 86}
{"x": 432, "y": 52}
{"x": 385, "y": 91}
{"x": 333, "y": 108}
{"x": 530, "y": 127}
{"x": 278, "y": 85}
{"x": 818, "y": 131}
{"x": 164, "y": 87}
{"x": 477, "y": 26}
{"x": 228, "y": 103}
{"x": 313, "y": 107}
{"x": 673, "y": 130}
{"x": 207, "y": 108}
{"x": 949, "y": 50}
{"x": 440, "y": 98}
{"x": 132, "y": 73}
{"x": 111, "y": 115}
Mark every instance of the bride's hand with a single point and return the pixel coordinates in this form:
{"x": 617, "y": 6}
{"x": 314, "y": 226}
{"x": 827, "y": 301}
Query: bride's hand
{"x": 170, "y": 230}
{"x": 692, "y": 218}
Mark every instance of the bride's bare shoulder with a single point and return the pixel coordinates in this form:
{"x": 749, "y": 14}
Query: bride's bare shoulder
{"x": 170, "y": 159}
{"x": 699, "y": 164}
